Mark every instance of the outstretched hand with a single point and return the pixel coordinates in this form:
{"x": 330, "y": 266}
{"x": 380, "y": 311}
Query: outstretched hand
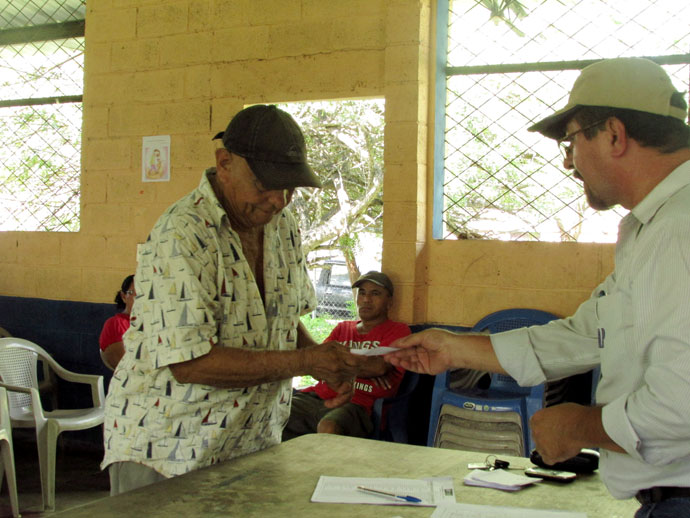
{"x": 436, "y": 350}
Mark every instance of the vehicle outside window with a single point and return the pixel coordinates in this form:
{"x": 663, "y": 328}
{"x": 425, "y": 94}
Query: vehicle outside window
{"x": 334, "y": 291}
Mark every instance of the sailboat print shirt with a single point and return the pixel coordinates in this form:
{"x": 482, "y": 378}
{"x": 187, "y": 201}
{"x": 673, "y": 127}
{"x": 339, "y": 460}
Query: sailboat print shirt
{"x": 195, "y": 291}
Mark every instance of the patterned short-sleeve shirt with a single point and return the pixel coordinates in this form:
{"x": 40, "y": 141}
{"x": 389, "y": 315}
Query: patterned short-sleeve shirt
{"x": 195, "y": 290}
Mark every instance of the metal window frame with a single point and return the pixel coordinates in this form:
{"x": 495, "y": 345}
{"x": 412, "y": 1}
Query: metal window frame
{"x": 443, "y": 72}
{"x": 47, "y": 32}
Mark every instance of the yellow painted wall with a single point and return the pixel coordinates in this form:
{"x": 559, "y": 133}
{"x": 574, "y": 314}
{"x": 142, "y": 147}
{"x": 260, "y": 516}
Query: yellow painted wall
{"x": 184, "y": 67}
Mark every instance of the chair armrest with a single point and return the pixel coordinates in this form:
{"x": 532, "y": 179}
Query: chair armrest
{"x": 95, "y": 380}
{"x": 37, "y": 407}
{"x": 15, "y": 388}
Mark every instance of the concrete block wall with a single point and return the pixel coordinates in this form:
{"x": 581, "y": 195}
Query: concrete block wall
{"x": 184, "y": 67}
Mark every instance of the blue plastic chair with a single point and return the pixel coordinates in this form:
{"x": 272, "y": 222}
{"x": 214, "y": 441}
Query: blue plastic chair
{"x": 395, "y": 418}
{"x": 503, "y": 394}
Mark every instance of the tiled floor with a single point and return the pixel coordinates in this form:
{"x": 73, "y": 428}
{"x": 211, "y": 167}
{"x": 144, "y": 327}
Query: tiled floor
{"x": 78, "y": 478}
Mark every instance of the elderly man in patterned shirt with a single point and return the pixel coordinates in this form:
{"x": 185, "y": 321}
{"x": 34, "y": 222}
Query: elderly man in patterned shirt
{"x": 215, "y": 335}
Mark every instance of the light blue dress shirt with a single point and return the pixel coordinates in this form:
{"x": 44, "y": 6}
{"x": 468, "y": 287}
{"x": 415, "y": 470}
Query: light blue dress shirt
{"x": 636, "y": 325}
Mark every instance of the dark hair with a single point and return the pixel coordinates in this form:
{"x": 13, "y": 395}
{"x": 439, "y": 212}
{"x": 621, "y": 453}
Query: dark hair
{"x": 667, "y": 134}
{"x": 121, "y": 304}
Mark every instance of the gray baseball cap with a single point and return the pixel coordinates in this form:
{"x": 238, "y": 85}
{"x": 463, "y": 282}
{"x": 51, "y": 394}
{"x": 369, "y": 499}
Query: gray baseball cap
{"x": 378, "y": 278}
{"x": 629, "y": 83}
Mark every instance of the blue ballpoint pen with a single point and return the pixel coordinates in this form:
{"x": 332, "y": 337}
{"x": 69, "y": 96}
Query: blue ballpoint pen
{"x": 389, "y": 495}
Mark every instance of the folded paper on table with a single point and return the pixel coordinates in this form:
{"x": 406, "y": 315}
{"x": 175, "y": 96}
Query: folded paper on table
{"x": 376, "y": 351}
{"x": 497, "y": 479}
{"x": 343, "y": 490}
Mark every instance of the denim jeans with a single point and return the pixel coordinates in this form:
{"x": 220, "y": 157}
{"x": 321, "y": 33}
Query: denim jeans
{"x": 671, "y": 508}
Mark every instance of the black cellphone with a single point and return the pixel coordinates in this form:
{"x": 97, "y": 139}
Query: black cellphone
{"x": 584, "y": 462}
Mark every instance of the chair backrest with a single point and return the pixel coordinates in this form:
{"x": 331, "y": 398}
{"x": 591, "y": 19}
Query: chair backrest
{"x": 408, "y": 384}
{"x": 18, "y": 363}
{"x": 505, "y": 320}
{"x": 391, "y": 414}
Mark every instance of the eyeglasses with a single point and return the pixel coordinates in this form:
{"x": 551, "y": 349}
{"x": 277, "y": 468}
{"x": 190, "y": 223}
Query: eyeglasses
{"x": 565, "y": 144}
{"x": 129, "y": 292}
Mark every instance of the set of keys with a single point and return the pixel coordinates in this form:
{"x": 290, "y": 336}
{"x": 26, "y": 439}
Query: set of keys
{"x": 492, "y": 463}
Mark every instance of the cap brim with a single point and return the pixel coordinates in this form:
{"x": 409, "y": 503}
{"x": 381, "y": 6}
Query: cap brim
{"x": 361, "y": 281}
{"x": 553, "y": 126}
{"x": 281, "y": 175}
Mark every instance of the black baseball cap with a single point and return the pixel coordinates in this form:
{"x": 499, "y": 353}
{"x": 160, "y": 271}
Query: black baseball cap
{"x": 272, "y": 143}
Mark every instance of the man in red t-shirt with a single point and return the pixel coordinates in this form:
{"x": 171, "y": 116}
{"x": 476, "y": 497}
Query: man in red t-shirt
{"x": 308, "y": 413}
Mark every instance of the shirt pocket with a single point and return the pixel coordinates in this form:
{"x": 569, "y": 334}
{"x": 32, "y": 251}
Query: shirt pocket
{"x": 612, "y": 323}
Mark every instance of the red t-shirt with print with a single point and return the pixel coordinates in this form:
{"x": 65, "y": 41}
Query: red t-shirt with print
{"x": 366, "y": 391}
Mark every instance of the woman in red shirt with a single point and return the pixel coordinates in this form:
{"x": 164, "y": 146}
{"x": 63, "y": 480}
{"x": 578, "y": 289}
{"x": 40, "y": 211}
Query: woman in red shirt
{"x": 112, "y": 348}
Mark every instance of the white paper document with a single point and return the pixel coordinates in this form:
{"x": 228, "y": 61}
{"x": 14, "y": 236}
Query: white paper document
{"x": 343, "y": 490}
{"x": 376, "y": 351}
{"x": 488, "y": 511}
{"x": 497, "y": 479}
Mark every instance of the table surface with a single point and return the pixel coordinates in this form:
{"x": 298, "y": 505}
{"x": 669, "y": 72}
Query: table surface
{"x": 279, "y": 481}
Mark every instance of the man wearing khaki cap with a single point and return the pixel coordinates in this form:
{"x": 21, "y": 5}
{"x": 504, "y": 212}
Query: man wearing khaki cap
{"x": 623, "y": 134}
{"x": 215, "y": 335}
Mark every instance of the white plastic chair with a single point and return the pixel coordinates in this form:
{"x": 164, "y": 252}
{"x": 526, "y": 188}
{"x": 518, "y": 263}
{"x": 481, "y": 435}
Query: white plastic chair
{"x": 7, "y": 453}
{"x": 48, "y": 385}
{"x": 18, "y": 365}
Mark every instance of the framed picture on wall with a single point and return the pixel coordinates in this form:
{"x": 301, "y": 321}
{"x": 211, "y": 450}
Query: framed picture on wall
{"x": 155, "y": 159}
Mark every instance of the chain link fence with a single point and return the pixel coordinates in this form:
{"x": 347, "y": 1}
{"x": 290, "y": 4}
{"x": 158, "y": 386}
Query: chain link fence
{"x": 41, "y": 57}
{"x": 334, "y": 294}
{"x": 508, "y": 65}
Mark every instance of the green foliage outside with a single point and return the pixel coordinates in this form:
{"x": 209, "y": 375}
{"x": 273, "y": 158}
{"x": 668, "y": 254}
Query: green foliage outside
{"x": 318, "y": 327}
{"x": 345, "y": 144}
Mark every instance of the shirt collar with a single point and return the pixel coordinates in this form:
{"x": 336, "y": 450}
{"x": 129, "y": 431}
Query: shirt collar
{"x": 206, "y": 195}
{"x": 674, "y": 182}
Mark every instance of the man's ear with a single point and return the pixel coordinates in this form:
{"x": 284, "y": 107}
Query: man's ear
{"x": 223, "y": 159}
{"x": 618, "y": 139}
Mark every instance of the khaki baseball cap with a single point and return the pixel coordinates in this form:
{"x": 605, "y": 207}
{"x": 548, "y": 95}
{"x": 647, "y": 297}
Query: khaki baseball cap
{"x": 629, "y": 83}
{"x": 378, "y": 278}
